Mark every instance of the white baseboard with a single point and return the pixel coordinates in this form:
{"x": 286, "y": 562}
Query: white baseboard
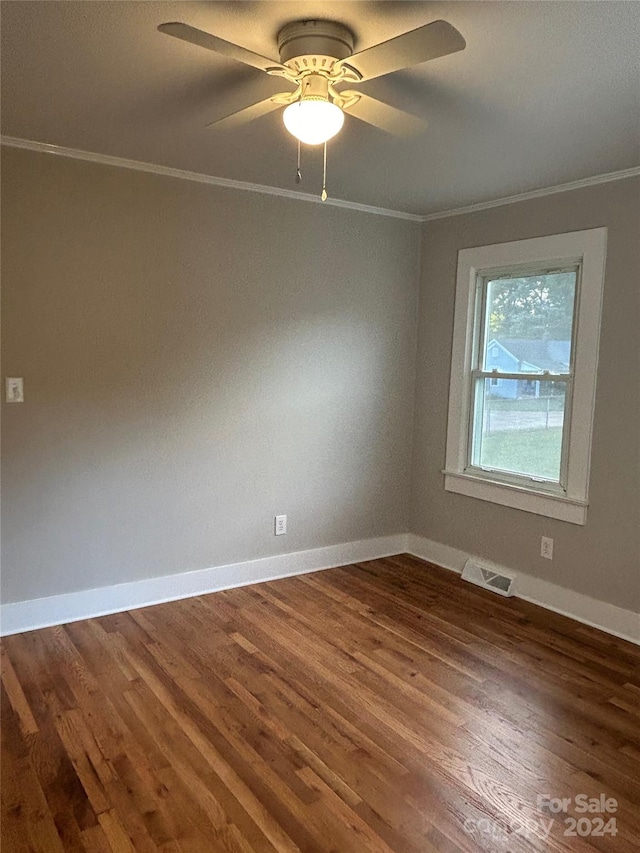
{"x": 58, "y": 609}
{"x": 599, "y": 614}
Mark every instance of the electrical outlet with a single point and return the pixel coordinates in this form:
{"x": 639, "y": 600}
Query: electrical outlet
{"x": 546, "y": 548}
{"x": 280, "y": 526}
{"x": 14, "y": 388}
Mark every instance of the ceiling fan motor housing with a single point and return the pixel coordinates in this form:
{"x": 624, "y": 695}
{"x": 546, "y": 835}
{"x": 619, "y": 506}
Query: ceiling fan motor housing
{"x": 317, "y": 59}
{"x": 314, "y": 45}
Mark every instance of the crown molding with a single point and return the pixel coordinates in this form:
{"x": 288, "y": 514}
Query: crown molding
{"x": 212, "y": 180}
{"x": 198, "y": 177}
{"x": 558, "y": 188}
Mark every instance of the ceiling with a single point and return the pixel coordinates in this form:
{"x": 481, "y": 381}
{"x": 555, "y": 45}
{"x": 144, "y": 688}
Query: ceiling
{"x": 545, "y": 93}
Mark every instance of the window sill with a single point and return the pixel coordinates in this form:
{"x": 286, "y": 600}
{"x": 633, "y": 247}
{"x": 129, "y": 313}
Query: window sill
{"x": 517, "y": 497}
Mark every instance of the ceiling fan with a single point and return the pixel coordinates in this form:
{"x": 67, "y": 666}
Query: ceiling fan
{"x": 316, "y": 57}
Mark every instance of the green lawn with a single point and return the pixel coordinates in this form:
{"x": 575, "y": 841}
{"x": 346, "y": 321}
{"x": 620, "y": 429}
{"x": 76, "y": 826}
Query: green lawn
{"x": 525, "y": 451}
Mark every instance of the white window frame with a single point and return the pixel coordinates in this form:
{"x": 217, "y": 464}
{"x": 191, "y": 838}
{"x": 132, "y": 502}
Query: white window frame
{"x": 567, "y": 502}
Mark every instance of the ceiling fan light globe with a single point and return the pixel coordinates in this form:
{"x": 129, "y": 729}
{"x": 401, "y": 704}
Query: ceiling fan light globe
{"x": 313, "y": 120}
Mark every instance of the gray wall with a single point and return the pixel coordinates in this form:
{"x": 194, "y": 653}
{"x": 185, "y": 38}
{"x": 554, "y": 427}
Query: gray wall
{"x": 601, "y": 559}
{"x": 196, "y": 360}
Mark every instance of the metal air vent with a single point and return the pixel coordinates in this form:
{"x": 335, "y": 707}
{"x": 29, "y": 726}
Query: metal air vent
{"x": 488, "y": 577}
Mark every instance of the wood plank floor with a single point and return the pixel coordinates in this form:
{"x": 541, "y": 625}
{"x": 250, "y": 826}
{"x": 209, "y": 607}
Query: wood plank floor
{"x": 381, "y": 707}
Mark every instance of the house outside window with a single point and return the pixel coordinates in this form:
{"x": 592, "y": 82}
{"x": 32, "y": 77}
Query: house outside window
{"x": 522, "y": 387}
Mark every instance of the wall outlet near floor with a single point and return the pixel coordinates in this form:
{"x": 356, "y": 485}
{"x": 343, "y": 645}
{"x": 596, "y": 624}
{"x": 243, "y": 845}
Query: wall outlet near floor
{"x": 280, "y": 525}
{"x": 546, "y": 548}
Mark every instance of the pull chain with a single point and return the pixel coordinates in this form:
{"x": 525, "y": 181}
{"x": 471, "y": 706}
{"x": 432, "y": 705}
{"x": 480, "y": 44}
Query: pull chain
{"x": 298, "y": 172}
{"x": 324, "y": 174}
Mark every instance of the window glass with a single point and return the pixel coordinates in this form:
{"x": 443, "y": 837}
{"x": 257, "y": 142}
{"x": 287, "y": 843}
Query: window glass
{"x": 528, "y": 322}
{"x": 518, "y": 427}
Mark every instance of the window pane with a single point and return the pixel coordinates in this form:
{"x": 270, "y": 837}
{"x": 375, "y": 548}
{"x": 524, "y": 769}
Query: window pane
{"x": 528, "y": 323}
{"x": 518, "y": 427}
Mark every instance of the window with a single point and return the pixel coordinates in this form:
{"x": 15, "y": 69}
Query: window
{"x": 518, "y": 421}
{"x": 523, "y": 372}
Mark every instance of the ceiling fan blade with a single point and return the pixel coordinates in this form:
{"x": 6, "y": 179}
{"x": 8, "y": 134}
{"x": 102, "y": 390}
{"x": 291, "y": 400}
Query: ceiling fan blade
{"x": 382, "y": 115}
{"x": 217, "y": 45}
{"x": 428, "y": 42}
{"x": 242, "y": 116}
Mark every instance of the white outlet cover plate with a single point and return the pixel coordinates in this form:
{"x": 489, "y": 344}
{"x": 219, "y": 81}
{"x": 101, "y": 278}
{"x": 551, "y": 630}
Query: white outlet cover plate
{"x": 14, "y": 389}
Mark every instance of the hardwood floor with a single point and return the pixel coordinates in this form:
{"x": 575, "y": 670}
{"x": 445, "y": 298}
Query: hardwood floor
{"x": 386, "y": 706}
